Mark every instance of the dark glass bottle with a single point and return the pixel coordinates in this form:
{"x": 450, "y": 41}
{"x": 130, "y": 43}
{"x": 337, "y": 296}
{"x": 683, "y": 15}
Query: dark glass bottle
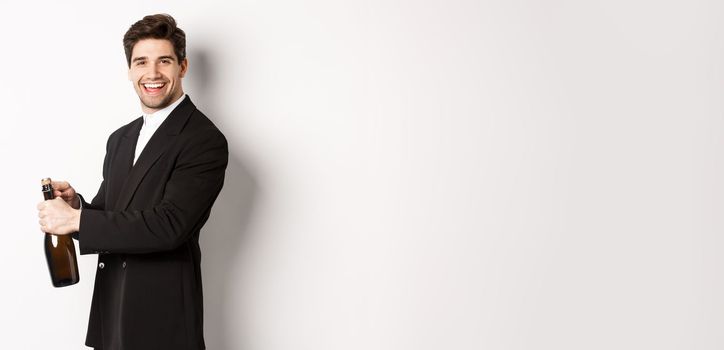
{"x": 60, "y": 251}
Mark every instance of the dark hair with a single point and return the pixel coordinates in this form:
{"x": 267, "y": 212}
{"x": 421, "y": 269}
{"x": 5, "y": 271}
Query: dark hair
{"x": 160, "y": 26}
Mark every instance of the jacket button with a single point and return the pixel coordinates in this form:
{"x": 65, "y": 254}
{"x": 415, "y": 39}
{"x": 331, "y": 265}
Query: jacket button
{"x": 101, "y": 265}
{"x": 124, "y": 264}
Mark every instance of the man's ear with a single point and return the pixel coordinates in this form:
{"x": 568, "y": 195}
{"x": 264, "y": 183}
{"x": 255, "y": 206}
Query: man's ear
{"x": 184, "y": 67}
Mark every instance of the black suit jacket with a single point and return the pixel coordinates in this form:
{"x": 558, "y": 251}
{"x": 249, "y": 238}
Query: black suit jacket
{"x": 144, "y": 223}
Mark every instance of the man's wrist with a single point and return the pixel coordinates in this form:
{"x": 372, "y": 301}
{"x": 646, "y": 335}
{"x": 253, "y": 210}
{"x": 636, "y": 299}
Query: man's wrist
{"x": 76, "y": 220}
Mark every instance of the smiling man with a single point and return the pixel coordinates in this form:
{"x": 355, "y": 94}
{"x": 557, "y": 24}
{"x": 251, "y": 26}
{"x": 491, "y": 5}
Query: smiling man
{"x": 161, "y": 175}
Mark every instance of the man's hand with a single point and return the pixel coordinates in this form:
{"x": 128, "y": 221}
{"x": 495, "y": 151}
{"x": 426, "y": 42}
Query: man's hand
{"x": 64, "y": 190}
{"x": 57, "y": 217}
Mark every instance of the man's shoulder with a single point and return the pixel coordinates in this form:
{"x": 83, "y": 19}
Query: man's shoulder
{"x": 199, "y": 123}
{"x": 125, "y": 129}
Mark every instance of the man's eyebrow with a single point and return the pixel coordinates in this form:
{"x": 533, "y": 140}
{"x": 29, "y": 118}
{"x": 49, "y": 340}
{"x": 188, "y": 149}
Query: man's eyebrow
{"x": 143, "y": 58}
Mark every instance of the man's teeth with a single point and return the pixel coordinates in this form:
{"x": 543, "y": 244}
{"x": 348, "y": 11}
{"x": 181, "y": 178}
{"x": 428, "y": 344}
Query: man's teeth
{"x": 153, "y": 86}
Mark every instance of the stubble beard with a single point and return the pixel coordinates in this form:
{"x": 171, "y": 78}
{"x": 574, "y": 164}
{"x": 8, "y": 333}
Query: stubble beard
{"x": 161, "y": 104}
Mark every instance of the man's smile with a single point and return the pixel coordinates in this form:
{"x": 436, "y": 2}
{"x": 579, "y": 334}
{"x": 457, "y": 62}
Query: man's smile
{"x": 153, "y": 88}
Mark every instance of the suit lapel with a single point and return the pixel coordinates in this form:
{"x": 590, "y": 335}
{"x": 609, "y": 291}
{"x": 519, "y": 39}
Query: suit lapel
{"x": 156, "y": 146}
{"x": 123, "y": 160}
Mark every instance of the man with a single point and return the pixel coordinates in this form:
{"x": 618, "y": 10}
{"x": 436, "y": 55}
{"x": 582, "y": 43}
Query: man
{"x": 161, "y": 175}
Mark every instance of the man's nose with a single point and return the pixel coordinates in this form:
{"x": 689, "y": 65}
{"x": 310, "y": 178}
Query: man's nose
{"x": 153, "y": 71}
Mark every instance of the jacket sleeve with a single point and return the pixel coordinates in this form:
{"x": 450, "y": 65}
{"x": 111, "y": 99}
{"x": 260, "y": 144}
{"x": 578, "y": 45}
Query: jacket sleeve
{"x": 189, "y": 194}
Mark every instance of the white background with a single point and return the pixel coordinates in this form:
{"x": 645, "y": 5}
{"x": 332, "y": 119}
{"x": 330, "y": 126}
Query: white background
{"x": 403, "y": 174}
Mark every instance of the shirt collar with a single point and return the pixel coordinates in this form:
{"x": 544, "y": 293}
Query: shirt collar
{"x": 156, "y": 118}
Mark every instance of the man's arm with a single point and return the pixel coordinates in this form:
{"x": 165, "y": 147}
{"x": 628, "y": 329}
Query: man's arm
{"x": 98, "y": 203}
{"x": 188, "y": 196}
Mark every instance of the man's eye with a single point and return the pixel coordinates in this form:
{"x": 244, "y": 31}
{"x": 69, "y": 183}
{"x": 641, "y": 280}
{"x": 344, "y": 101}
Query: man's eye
{"x": 140, "y": 63}
{"x": 165, "y": 61}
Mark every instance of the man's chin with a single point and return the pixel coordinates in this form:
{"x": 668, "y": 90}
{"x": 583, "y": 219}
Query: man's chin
{"x": 156, "y": 104}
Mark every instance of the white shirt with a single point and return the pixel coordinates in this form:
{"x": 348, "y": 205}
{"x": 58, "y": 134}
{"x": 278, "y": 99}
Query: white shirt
{"x": 151, "y": 122}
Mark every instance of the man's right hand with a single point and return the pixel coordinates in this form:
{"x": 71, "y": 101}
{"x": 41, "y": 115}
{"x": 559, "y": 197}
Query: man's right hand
{"x": 65, "y": 191}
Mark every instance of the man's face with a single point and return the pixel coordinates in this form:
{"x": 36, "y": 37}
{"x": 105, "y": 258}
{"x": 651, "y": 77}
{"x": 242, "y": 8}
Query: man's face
{"x": 156, "y": 74}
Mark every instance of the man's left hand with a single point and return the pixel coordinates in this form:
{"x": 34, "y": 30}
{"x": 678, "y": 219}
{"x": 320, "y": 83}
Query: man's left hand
{"x": 57, "y": 217}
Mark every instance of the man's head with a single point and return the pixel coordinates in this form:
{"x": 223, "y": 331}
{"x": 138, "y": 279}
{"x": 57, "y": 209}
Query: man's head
{"x": 156, "y": 55}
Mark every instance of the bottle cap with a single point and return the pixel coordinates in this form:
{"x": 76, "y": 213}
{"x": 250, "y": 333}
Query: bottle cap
{"x": 45, "y": 181}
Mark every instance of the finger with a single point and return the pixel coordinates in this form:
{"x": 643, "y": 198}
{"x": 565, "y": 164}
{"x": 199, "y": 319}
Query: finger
{"x": 68, "y": 192}
{"x": 60, "y": 185}
{"x": 64, "y": 195}
{"x": 42, "y": 205}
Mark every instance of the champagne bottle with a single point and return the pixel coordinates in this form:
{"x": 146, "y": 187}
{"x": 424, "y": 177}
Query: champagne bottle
{"x": 60, "y": 251}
